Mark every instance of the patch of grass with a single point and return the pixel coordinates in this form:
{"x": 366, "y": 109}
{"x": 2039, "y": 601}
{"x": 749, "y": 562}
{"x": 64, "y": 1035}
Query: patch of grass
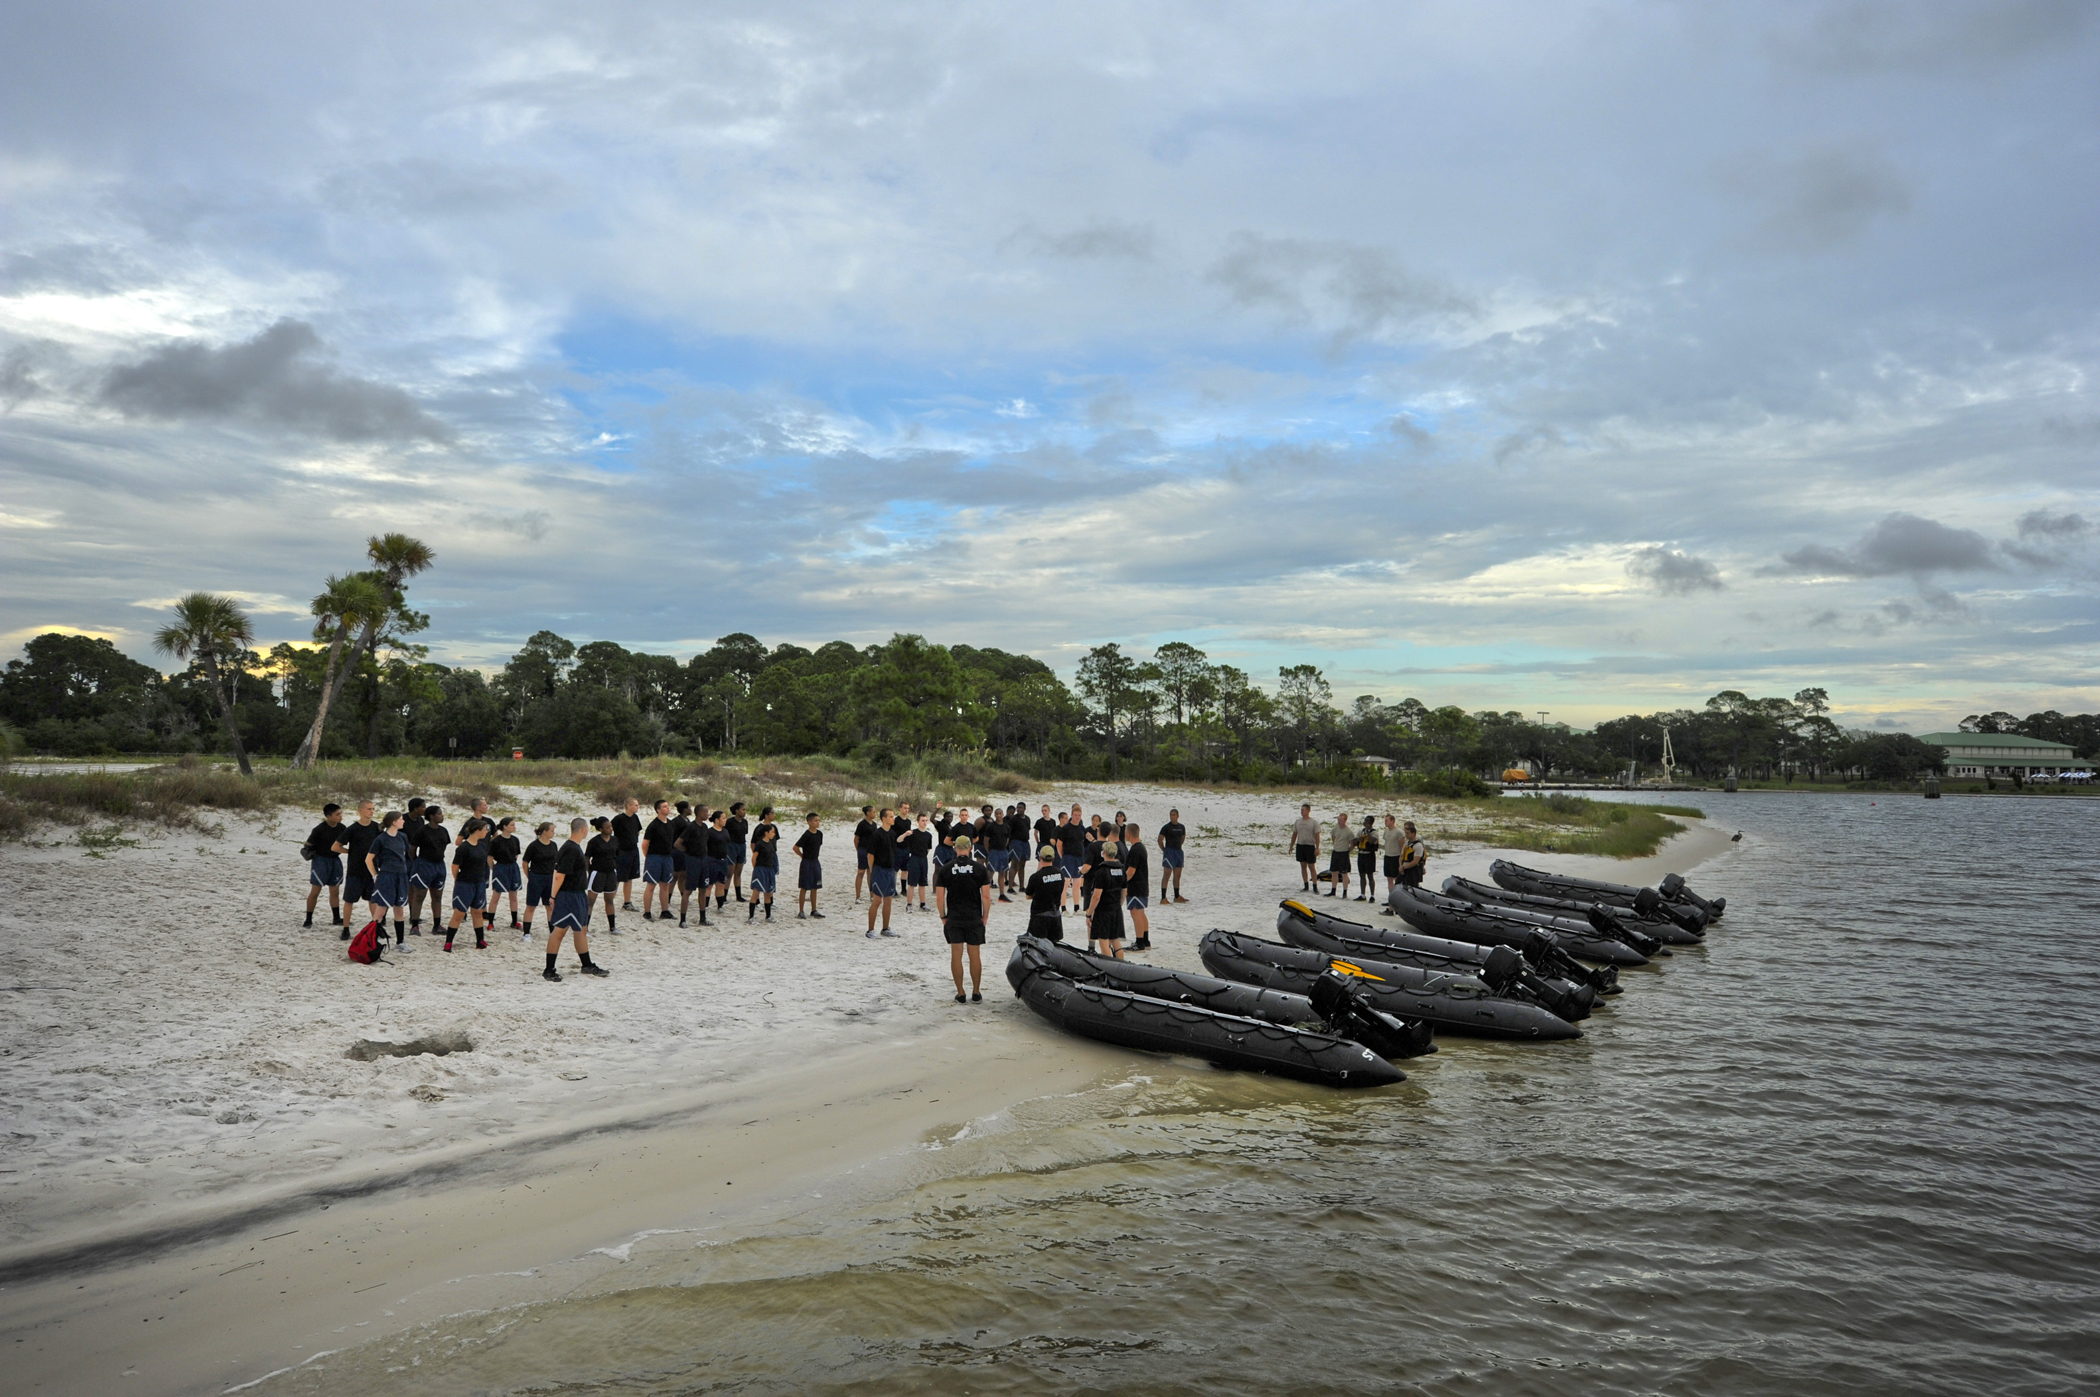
{"x": 1570, "y": 824}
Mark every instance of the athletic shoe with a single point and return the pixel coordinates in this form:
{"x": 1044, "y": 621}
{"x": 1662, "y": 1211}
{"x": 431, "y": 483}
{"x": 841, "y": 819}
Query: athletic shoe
{"x": 959, "y": 999}
{"x": 598, "y": 970}
{"x": 346, "y": 933}
{"x": 871, "y": 933}
{"x": 1179, "y": 898}
{"x": 891, "y": 934}
{"x": 481, "y": 945}
{"x": 816, "y": 914}
{"x": 802, "y": 916}
{"x": 448, "y": 948}
{"x": 415, "y": 931}
{"x": 1004, "y": 898}
{"x": 626, "y": 907}
{"x": 550, "y": 974}
{"x": 402, "y": 948}
{"x": 977, "y": 996}
{"x": 614, "y": 931}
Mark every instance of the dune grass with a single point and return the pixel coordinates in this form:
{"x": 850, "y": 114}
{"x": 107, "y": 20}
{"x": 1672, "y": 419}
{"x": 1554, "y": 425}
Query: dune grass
{"x": 1570, "y": 824}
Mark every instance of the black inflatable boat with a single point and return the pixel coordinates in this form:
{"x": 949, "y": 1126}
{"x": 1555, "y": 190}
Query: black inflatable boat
{"x": 1339, "y": 1009}
{"x": 1671, "y": 891}
{"x": 1502, "y": 926}
{"x": 1571, "y": 995}
{"x": 1454, "y": 1003}
{"x": 1687, "y": 928}
{"x": 1230, "y": 1040}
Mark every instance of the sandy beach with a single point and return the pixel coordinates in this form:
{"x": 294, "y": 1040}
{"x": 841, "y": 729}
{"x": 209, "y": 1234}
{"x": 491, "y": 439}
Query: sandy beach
{"x": 199, "y": 1187}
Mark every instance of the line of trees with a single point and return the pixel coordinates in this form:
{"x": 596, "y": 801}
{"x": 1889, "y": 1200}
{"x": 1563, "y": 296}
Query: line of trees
{"x": 366, "y": 687}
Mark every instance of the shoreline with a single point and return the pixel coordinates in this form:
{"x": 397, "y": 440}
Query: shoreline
{"x": 261, "y": 1253}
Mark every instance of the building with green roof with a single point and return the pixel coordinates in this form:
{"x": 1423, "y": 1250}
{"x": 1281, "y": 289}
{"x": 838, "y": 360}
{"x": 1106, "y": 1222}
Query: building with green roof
{"x": 2001, "y": 754}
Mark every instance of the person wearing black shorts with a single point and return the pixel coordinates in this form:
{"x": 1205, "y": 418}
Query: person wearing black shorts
{"x": 470, "y": 882}
{"x": 1366, "y": 847}
{"x": 388, "y": 864}
{"x": 602, "y": 878}
{"x": 1046, "y": 896}
{"x": 1172, "y": 835}
{"x": 1045, "y": 831}
{"x": 717, "y": 861}
{"x": 765, "y": 863}
{"x": 695, "y": 841}
{"x": 357, "y": 872}
{"x": 1106, "y": 884}
{"x": 917, "y": 846}
{"x": 426, "y": 877}
{"x": 962, "y": 894}
{"x": 572, "y": 902}
{"x": 1137, "y": 870}
{"x": 1414, "y": 857}
{"x": 324, "y": 863}
{"x": 504, "y": 874}
{"x": 539, "y": 858}
{"x": 861, "y": 853}
{"x": 809, "y": 876}
{"x": 1305, "y": 843}
{"x": 627, "y": 862}
{"x": 881, "y": 848}
{"x": 658, "y": 876}
{"x": 679, "y": 822}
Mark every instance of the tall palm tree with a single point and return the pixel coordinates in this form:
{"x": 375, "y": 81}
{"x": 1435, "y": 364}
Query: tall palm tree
{"x": 347, "y": 604}
{"x": 214, "y": 632}
{"x": 399, "y": 558}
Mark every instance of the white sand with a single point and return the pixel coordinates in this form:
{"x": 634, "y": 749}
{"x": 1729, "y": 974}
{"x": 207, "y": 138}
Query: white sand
{"x": 174, "y": 1042}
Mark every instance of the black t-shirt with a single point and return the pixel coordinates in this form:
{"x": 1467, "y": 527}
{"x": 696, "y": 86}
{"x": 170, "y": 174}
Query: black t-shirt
{"x": 603, "y": 854}
{"x": 436, "y": 843}
{"x": 1017, "y": 828}
{"x": 359, "y": 838}
{"x": 1137, "y": 865}
{"x": 1045, "y": 831}
{"x": 739, "y": 829}
{"x": 391, "y": 853}
{"x": 1071, "y": 838}
{"x": 1112, "y": 880}
{"x": 919, "y": 843}
{"x": 942, "y": 824}
{"x": 694, "y": 839}
{"x": 627, "y": 831}
{"x": 717, "y": 843}
{"x": 470, "y": 863}
{"x": 995, "y": 834}
{"x": 503, "y": 849}
{"x": 678, "y": 828}
{"x": 324, "y": 838}
{"x": 861, "y": 832}
{"x": 811, "y": 841}
{"x": 572, "y": 863}
{"x": 1173, "y": 832}
{"x": 1046, "y": 889}
{"x": 540, "y": 856}
{"x": 965, "y": 879}
{"x": 659, "y": 836}
{"x": 881, "y": 846}
{"x": 765, "y": 845}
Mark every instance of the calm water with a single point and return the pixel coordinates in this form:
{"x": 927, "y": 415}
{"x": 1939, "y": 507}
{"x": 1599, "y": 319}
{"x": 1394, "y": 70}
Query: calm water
{"x": 1850, "y": 1146}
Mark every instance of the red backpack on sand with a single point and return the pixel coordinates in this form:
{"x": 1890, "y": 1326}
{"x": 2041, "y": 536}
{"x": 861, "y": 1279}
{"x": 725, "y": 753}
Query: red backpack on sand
{"x": 366, "y": 945}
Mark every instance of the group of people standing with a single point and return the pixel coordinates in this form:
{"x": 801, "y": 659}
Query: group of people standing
{"x": 1405, "y": 856}
{"x": 399, "y": 863}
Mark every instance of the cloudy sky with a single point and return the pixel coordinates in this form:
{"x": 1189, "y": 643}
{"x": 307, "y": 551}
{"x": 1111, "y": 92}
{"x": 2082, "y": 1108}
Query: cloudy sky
{"x": 1569, "y": 357}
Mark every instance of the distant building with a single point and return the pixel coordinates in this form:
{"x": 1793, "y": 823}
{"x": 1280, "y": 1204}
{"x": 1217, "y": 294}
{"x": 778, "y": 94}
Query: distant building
{"x": 2000, "y": 754}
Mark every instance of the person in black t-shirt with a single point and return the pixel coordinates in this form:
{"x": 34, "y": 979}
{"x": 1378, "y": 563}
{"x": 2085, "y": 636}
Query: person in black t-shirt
{"x": 765, "y": 863}
{"x": 718, "y": 858}
{"x": 1046, "y": 897}
{"x": 962, "y": 892}
{"x": 603, "y": 856}
{"x": 626, "y": 833}
{"x": 1071, "y": 854}
{"x": 1137, "y": 869}
{"x": 657, "y": 874}
{"x": 324, "y": 863}
{"x": 679, "y": 822}
{"x": 693, "y": 841}
{"x": 470, "y": 882}
{"x": 918, "y": 853}
{"x": 1017, "y": 868}
{"x": 426, "y": 878}
{"x": 810, "y": 876}
{"x": 738, "y": 828}
{"x": 1045, "y": 830}
{"x": 881, "y": 848}
{"x": 504, "y": 874}
{"x": 539, "y": 858}
{"x": 1172, "y": 835}
{"x": 1106, "y": 883}
{"x": 861, "y": 853}
{"x": 572, "y": 901}
{"x": 357, "y": 874}
{"x": 995, "y": 842}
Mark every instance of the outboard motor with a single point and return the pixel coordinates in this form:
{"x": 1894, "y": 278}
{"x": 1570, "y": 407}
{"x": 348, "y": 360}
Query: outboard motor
{"x": 1651, "y": 907}
{"x": 1611, "y": 928}
{"x": 1674, "y": 890}
{"x": 1349, "y": 1013}
{"x": 1548, "y": 959}
{"x": 1506, "y": 973}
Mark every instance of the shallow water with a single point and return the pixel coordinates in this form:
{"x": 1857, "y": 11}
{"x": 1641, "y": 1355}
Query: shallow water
{"x": 1849, "y": 1145}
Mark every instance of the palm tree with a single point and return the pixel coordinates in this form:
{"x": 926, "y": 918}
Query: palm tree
{"x": 214, "y": 632}
{"x": 340, "y": 610}
{"x": 399, "y": 558}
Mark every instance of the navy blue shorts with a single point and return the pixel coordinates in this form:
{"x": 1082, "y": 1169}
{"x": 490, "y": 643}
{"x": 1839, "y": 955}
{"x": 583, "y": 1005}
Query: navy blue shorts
{"x": 764, "y": 876}
{"x": 943, "y": 855}
{"x": 915, "y": 871}
{"x": 425, "y": 874}
{"x": 1070, "y": 864}
{"x": 357, "y": 886}
{"x": 738, "y": 853}
{"x": 677, "y": 860}
{"x": 864, "y": 859}
{"x": 539, "y": 889}
{"x": 811, "y": 876}
{"x": 572, "y": 911}
{"x": 1134, "y": 903}
{"x": 630, "y": 865}
{"x": 1171, "y": 858}
{"x": 998, "y": 859}
{"x": 325, "y": 871}
{"x": 469, "y": 897}
{"x": 882, "y": 882}
{"x": 657, "y": 869}
{"x": 391, "y": 890}
{"x": 506, "y": 877}
{"x": 713, "y": 871}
